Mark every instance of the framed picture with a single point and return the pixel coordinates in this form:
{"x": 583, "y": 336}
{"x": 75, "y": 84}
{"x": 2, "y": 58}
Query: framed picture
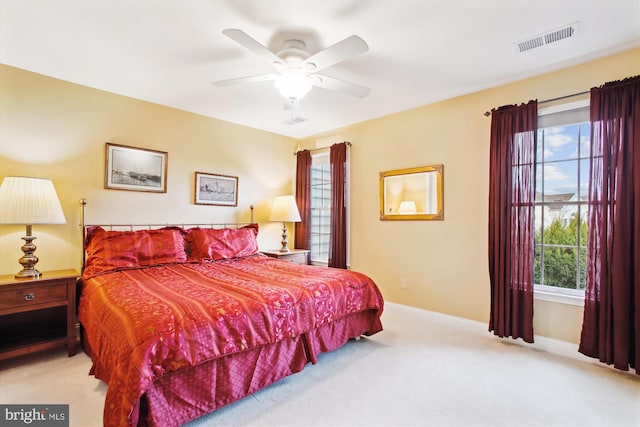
{"x": 218, "y": 190}
{"x": 135, "y": 169}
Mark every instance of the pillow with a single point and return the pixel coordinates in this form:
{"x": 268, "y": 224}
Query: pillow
{"x": 224, "y": 243}
{"x": 117, "y": 250}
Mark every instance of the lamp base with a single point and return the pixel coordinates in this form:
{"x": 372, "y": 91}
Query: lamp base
{"x": 28, "y": 260}
{"x": 285, "y": 241}
{"x": 27, "y": 273}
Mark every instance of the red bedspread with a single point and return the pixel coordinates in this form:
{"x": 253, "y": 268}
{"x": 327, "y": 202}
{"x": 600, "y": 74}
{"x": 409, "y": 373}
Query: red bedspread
{"x": 141, "y": 324}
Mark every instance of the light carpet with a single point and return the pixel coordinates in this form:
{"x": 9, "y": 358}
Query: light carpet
{"x": 424, "y": 369}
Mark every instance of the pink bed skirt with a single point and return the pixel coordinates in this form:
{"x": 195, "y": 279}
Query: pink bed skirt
{"x": 179, "y": 397}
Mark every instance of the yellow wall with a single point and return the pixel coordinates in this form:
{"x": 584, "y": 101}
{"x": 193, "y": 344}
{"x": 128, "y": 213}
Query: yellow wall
{"x": 445, "y": 262}
{"x": 57, "y": 130}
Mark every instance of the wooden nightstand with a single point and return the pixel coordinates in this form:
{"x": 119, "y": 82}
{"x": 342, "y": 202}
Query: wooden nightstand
{"x": 296, "y": 256}
{"x": 37, "y": 314}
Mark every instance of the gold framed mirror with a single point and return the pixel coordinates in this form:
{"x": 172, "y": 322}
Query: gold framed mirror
{"x": 412, "y": 193}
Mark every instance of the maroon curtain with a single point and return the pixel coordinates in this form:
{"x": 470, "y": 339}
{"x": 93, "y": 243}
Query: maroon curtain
{"x": 511, "y": 213}
{"x": 338, "y": 236}
{"x": 612, "y": 296}
{"x": 302, "y": 239}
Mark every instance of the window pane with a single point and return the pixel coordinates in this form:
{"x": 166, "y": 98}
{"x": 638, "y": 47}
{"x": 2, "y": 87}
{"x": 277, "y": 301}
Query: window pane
{"x": 585, "y": 140}
{"x": 583, "y": 267}
{"x": 560, "y": 267}
{"x": 537, "y": 221}
{"x": 560, "y": 143}
{"x": 562, "y": 177}
{"x": 537, "y": 266}
{"x": 320, "y": 207}
{"x": 561, "y": 224}
{"x": 584, "y": 229}
{"x": 539, "y": 182}
{"x": 540, "y": 146}
{"x": 584, "y": 180}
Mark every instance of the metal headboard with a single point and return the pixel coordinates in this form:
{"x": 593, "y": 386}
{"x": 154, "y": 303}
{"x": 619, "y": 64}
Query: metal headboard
{"x": 150, "y": 226}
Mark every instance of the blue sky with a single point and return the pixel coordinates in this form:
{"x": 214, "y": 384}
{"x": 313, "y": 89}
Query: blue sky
{"x": 558, "y": 146}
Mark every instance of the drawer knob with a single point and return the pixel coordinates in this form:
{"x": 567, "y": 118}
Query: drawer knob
{"x": 29, "y": 297}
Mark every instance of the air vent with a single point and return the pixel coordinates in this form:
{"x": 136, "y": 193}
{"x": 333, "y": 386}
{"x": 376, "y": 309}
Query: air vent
{"x": 294, "y": 120}
{"x": 549, "y": 37}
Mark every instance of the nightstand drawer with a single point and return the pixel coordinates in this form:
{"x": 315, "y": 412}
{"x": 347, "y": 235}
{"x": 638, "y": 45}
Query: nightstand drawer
{"x": 25, "y": 296}
{"x": 298, "y": 258}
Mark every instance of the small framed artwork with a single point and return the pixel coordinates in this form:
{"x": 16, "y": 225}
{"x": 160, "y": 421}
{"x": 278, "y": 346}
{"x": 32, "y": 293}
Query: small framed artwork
{"x": 135, "y": 169}
{"x": 217, "y": 190}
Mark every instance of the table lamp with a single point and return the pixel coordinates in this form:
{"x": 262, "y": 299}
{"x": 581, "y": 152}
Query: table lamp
{"x": 29, "y": 201}
{"x": 285, "y": 209}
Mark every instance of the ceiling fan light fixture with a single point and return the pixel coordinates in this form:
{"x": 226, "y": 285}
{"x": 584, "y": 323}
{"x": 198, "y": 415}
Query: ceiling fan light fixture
{"x": 296, "y": 68}
{"x": 293, "y": 84}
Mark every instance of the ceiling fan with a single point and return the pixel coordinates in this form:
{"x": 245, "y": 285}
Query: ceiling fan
{"x": 297, "y": 70}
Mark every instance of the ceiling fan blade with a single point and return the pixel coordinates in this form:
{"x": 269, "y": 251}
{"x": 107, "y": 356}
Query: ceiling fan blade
{"x": 250, "y": 79}
{"x": 345, "y": 49}
{"x": 250, "y": 43}
{"x": 337, "y": 85}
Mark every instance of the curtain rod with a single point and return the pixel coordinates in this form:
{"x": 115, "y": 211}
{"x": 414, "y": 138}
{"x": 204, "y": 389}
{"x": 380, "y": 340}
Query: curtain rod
{"x": 318, "y": 149}
{"x": 488, "y": 113}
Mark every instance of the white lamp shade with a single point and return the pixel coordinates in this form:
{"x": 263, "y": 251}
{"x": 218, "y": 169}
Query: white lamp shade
{"x": 29, "y": 201}
{"x": 285, "y": 209}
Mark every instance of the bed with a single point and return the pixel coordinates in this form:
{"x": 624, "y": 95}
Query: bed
{"x": 181, "y": 321}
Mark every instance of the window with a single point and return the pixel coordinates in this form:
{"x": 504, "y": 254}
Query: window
{"x": 320, "y": 207}
{"x": 561, "y": 200}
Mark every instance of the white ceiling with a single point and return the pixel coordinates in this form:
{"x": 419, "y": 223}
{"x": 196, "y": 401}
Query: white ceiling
{"x": 420, "y": 51}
